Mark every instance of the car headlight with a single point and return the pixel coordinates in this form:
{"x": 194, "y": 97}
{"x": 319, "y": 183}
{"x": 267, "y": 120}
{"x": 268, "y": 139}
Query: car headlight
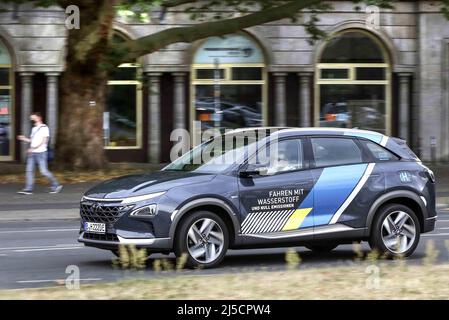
{"x": 142, "y": 198}
{"x": 431, "y": 175}
{"x": 146, "y": 211}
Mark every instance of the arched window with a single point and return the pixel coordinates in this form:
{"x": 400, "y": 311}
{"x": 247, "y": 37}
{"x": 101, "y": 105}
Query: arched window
{"x": 6, "y": 104}
{"x": 229, "y": 83}
{"x": 353, "y": 83}
{"x": 122, "y": 119}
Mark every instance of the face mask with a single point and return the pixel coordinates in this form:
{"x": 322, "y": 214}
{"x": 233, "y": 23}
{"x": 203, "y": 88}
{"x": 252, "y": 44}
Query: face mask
{"x": 33, "y": 122}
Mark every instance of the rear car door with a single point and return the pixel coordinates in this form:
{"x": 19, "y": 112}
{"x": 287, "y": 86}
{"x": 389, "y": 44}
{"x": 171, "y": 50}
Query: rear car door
{"x": 346, "y": 181}
{"x": 281, "y": 200}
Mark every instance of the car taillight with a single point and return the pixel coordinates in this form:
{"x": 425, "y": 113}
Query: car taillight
{"x": 331, "y": 117}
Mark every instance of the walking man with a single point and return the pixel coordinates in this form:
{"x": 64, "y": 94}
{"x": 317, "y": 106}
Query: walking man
{"x": 37, "y": 154}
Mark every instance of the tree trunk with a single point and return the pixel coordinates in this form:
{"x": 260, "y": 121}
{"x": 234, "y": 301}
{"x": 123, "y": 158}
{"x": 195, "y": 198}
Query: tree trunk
{"x": 80, "y": 138}
{"x": 83, "y": 89}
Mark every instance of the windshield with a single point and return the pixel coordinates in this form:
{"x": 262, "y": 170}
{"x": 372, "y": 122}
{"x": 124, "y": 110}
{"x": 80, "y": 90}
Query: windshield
{"x": 217, "y": 154}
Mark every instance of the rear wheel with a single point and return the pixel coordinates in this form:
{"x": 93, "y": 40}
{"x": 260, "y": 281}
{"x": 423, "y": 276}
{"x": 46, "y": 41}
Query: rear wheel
{"x": 322, "y": 247}
{"x": 395, "y": 231}
{"x": 203, "y": 237}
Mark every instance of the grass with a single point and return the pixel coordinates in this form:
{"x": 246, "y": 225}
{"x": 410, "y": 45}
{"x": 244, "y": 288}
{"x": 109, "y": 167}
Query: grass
{"x": 370, "y": 277}
{"x": 364, "y": 281}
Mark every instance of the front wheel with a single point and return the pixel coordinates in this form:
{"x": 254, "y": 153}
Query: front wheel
{"x": 203, "y": 237}
{"x": 395, "y": 231}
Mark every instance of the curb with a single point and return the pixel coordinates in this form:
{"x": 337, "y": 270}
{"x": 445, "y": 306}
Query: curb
{"x": 39, "y": 215}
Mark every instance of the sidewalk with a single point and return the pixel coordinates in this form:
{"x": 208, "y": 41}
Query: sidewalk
{"x": 65, "y": 205}
{"x": 41, "y": 205}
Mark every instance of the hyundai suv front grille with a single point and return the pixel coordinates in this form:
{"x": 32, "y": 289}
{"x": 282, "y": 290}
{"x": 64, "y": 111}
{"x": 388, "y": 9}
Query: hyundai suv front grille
{"x": 102, "y": 212}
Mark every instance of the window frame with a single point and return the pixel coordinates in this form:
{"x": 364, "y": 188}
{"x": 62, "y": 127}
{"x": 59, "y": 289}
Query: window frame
{"x": 194, "y": 82}
{"x": 352, "y": 73}
{"x": 139, "y": 104}
{"x": 352, "y": 68}
{"x": 11, "y": 88}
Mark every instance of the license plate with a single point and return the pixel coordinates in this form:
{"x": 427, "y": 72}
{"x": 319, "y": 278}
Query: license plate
{"x": 94, "y": 227}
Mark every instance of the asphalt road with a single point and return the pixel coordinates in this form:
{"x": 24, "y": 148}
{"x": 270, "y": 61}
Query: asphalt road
{"x": 37, "y": 254}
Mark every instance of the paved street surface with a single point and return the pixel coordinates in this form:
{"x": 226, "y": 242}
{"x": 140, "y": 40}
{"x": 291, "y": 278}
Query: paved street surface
{"x": 37, "y": 253}
{"x": 38, "y": 236}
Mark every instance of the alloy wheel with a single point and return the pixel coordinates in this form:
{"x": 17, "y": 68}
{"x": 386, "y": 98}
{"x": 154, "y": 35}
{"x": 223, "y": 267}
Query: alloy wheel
{"x": 205, "y": 240}
{"x": 398, "y": 232}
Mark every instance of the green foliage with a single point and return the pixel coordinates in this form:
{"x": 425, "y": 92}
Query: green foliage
{"x": 181, "y": 262}
{"x": 292, "y": 258}
{"x": 131, "y": 258}
{"x": 115, "y": 53}
{"x": 373, "y": 257}
{"x": 445, "y": 9}
{"x": 431, "y": 254}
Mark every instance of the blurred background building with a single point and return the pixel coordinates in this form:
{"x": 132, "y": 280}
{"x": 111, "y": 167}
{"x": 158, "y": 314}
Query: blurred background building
{"x": 392, "y": 79}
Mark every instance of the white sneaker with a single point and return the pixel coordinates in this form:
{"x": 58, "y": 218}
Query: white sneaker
{"x": 57, "y": 189}
{"x": 25, "y": 192}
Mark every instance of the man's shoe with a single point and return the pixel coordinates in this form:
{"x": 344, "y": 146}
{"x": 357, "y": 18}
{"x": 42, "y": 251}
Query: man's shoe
{"x": 57, "y": 189}
{"x": 26, "y": 192}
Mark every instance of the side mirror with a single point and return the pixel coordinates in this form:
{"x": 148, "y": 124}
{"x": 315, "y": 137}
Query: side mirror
{"x": 253, "y": 170}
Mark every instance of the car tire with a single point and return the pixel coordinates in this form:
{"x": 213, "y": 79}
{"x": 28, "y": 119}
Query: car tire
{"x": 203, "y": 236}
{"x": 395, "y": 231}
{"x": 322, "y": 248}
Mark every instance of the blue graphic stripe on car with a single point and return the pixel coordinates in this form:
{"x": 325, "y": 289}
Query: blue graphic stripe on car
{"x": 335, "y": 184}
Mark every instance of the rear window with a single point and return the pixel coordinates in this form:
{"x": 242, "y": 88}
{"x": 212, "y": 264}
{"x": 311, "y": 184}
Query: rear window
{"x": 379, "y": 153}
{"x": 402, "y": 144}
{"x": 335, "y": 151}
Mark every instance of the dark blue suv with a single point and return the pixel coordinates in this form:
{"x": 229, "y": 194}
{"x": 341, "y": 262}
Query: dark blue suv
{"x": 266, "y": 187}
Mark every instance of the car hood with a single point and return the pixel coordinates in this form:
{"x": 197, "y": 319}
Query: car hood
{"x": 141, "y": 184}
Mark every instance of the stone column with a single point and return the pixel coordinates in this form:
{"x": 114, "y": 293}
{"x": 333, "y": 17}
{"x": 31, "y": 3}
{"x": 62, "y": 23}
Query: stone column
{"x": 52, "y": 105}
{"x": 179, "y": 118}
{"x": 305, "y": 99}
{"x": 280, "y": 99}
{"x": 404, "y": 105}
{"x": 154, "y": 117}
{"x": 27, "y": 108}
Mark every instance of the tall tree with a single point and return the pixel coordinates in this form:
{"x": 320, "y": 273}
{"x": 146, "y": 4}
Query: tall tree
{"x": 92, "y": 55}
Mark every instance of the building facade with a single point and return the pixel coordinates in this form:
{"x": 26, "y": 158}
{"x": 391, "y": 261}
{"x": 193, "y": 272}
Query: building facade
{"x": 392, "y": 78}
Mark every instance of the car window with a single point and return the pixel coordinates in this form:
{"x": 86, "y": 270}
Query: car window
{"x": 215, "y": 155}
{"x": 335, "y": 151}
{"x": 379, "y": 152}
{"x": 283, "y": 156}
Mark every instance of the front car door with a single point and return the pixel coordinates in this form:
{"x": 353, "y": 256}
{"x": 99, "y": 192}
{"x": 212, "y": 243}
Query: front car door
{"x": 280, "y": 200}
